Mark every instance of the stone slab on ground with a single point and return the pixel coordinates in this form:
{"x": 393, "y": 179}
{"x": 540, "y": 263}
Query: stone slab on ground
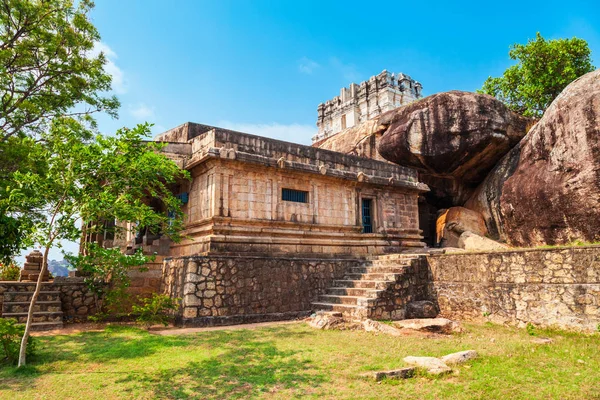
{"x": 437, "y": 325}
{"x": 402, "y": 373}
{"x": 326, "y": 320}
{"x": 459, "y": 357}
{"x": 373, "y": 326}
{"x": 433, "y": 365}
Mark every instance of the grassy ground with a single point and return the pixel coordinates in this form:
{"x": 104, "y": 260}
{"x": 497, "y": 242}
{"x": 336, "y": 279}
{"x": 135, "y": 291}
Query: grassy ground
{"x": 297, "y": 361}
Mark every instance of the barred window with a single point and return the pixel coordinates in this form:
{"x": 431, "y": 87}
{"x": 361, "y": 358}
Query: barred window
{"x": 297, "y": 196}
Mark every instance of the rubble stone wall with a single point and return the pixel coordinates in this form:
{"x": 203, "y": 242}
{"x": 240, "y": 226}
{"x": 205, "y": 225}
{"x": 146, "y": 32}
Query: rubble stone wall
{"x": 412, "y": 285}
{"x": 228, "y": 289}
{"x": 557, "y": 287}
{"x": 77, "y": 301}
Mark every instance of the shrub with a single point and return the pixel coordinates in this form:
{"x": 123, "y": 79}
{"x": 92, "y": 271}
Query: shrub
{"x": 154, "y": 310}
{"x": 9, "y": 272}
{"x": 11, "y": 333}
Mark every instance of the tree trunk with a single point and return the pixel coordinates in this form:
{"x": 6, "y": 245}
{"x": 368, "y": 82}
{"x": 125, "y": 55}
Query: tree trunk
{"x": 38, "y": 288}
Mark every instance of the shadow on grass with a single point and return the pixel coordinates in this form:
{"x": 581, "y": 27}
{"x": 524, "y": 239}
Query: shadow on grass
{"x": 115, "y": 342}
{"x": 244, "y": 364}
{"x": 17, "y": 379}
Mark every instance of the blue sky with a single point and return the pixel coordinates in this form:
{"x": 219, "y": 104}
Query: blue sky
{"x": 263, "y": 66}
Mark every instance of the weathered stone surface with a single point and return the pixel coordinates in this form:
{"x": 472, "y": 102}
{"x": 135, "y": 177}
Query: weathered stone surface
{"x": 436, "y": 325}
{"x": 473, "y": 242}
{"x": 460, "y": 357}
{"x": 433, "y": 365}
{"x": 454, "y": 134}
{"x": 235, "y": 289}
{"x": 547, "y": 287}
{"x": 359, "y": 140}
{"x": 402, "y": 373}
{"x": 546, "y": 190}
{"x": 326, "y": 321}
{"x": 373, "y": 326}
{"x": 365, "y": 101}
{"x": 454, "y": 222}
{"x": 421, "y": 309}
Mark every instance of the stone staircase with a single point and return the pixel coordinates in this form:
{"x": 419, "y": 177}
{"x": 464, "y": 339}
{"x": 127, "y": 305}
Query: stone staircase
{"x": 378, "y": 289}
{"x": 47, "y": 313}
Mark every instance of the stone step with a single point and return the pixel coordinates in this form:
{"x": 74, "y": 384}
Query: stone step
{"x": 336, "y": 299}
{"x": 26, "y": 296}
{"x": 43, "y": 316}
{"x": 390, "y": 263}
{"x": 346, "y": 283}
{"x": 396, "y": 269}
{"x": 378, "y": 276}
{"x": 342, "y": 308}
{"x": 23, "y": 306}
{"x": 407, "y": 257}
{"x": 352, "y": 291}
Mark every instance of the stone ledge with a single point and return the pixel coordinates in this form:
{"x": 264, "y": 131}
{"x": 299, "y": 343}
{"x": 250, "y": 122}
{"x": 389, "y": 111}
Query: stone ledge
{"x": 240, "y": 319}
{"x": 517, "y": 250}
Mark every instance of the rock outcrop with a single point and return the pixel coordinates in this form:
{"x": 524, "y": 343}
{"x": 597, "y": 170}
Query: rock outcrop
{"x": 461, "y": 228}
{"x": 457, "y": 136}
{"x": 546, "y": 190}
{"x": 359, "y": 140}
{"x": 455, "y": 221}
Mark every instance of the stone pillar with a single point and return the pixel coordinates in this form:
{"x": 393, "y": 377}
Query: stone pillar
{"x": 33, "y": 266}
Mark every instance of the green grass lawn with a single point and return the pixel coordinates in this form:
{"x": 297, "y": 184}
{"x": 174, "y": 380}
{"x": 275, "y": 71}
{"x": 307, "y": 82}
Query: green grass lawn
{"x": 295, "y": 360}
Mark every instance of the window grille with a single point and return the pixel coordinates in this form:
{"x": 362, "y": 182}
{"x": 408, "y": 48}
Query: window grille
{"x": 297, "y": 196}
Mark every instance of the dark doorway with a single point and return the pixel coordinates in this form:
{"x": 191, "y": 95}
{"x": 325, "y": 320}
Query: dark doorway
{"x": 427, "y": 222}
{"x": 367, "y": 220}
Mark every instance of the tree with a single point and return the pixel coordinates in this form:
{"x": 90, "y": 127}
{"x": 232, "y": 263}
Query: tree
{"x": 91, "y": 178}
{"x": 48, "y": 66}
{"x": 544, "y": 68}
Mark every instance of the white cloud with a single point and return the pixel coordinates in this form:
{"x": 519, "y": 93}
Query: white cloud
{"x": 119, "y": 84}
{"x": 142, "y": 111}
{"x": 296, "y": 133}
{"x": 348, "y": 71}
{"x": 156, "y": 129}
{"x": 307, "y": 66}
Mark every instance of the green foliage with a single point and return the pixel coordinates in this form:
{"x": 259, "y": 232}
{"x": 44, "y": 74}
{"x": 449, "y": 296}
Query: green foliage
{"x": 10, "y": 340}
{"x": 296, "y": 361}
{"x": 544, "y": 68}
{"x": 9, "y": 272}
{"x": 91, "y": 177}
{"x": 11, "y": 237}
{"x": 105, "y": 272}
{"x": 530, "y": 328}
{"x": 154, "y": 310}
{"x": 48, "y": 65}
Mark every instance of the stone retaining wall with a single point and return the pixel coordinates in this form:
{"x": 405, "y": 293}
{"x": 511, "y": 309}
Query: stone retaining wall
{"x": 548, "y": 287}
{"x": 227, "y": 289}
{"x": 76, "y": 299}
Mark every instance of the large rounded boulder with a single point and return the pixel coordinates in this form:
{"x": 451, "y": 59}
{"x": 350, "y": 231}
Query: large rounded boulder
{"x": 546, "y": 190}
{"x": 457, "y": 135}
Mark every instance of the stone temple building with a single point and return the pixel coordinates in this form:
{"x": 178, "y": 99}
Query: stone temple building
{"x": 269, "y": 225}
{"x": 359, "y": 103}
{"x": 252, "y": 194}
